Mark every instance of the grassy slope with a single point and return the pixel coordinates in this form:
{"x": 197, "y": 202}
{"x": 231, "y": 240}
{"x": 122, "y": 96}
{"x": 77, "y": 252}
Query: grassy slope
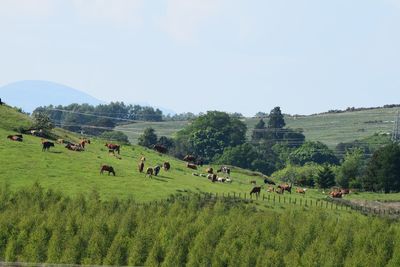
{"x": 330, "y": 128}
{"x": 72, "y": 172}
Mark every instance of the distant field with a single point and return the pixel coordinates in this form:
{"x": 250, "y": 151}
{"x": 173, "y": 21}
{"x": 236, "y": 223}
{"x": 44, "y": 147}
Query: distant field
{"x": 329, "y": 128}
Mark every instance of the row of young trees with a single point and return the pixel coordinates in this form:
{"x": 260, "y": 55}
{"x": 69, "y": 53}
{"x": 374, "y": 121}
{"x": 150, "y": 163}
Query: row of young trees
{"x": 40, "y": 226}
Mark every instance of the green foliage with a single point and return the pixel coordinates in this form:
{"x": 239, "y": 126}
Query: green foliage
{"x": 40, "y": 226}
{"x": 258, "y": 131}
{"x": 210, "y": 134}
{"x": 148, "y": 138}
{"x": 325, "y": 178}
{"x": 42, "y": 121}
{"x": 242, "y": 156}
{"x": 383, "y": 170}
{"x": 300, "y": 175}
{"x": 349, "y": 173}
{"x": 115, "y": 136}
{"x": 313, "y": 152}
{"x": 276, "y": 119}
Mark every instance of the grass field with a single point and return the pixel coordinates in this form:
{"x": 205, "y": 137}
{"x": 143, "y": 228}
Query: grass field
{"x": 330, "y": 129}
{"x": 23, "y": 163}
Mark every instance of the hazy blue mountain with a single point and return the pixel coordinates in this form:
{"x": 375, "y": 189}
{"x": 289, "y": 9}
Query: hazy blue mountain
{"x": 31, "y": 94}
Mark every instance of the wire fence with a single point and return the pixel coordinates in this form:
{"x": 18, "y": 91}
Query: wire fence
{"x": 278, "y": 200}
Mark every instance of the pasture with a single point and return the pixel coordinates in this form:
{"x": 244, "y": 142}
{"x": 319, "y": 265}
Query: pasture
{"x": 330, "y": 129}
{"x": 73, "y": 173}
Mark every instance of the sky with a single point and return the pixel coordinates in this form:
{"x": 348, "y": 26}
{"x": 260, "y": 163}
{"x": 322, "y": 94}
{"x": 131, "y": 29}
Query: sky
{"x": 305, "y": 56}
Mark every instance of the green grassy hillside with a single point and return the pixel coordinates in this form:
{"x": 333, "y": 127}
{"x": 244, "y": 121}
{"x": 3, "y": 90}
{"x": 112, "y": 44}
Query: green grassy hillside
{"x": 328, "y": 128}
{"x": 24, "y": 163}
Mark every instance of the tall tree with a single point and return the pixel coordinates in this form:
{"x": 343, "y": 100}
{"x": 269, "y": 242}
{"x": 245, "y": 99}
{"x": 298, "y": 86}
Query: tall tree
{"x": 325, "y": 178}
{"x": 259, "y": 131}
{"x": 276, "y": 119}
{"x": 383, "y": 170}
{"x": 148, "y": 138}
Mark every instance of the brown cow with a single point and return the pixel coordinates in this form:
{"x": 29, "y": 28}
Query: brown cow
{"x": 301, "y": 191}
{"x": 191, "y": 166}
{"x": 166, "y": 166}
{"x": 113, "y": 147}
{"x": 210, "y": 170}
{"x": 149, "y": 172}
{"x": 74, "y": 147}
{"x": 16, "y": 137}
{"x": 141, "y": 166}
{"x": 83, "y": 142}
{"x": 336, "y": 194}
{"x": 108, "y": 169}
{"x": 286, "y": 187}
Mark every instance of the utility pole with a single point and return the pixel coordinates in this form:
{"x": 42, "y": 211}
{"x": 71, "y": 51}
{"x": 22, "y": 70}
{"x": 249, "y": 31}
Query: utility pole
{"x": 396, "y": 128}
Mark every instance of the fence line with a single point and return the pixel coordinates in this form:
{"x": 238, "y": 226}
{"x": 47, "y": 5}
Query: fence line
{"x": 274, "y": 199}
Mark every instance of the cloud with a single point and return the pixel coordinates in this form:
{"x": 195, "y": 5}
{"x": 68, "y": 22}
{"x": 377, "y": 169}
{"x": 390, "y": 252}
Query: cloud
{"x": 120, "y": 12}
{"x": 183, "y": 18}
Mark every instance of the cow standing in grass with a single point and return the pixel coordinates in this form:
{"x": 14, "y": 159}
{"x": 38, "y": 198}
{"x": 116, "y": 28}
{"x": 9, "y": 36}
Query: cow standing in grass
{"x": 46, "y": 145}
{"x": 113, "y": 147}
{"x": 156, "y": 170}
{"x": 149, "y": 172}
{"x": 166, "y": 166}
{"x": 256, "y": 190}
{"x": 141, "y": 166}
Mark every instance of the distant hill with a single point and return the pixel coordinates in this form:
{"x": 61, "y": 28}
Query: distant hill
{"x": 31, "y": 94}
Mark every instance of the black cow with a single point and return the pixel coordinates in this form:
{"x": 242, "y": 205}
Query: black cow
{"x": 156, "y": 170}
{"x": 256, "y": 190}
{"x": 47, "y": 145}
{"x": 267, "y": 181}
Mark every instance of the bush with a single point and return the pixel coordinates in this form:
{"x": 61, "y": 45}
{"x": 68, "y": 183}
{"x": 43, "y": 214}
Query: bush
{"x": 115, "y": 136}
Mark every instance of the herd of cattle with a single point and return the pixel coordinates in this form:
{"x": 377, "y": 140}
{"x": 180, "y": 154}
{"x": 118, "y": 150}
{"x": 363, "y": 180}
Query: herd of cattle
{"x": 221, "y": 175}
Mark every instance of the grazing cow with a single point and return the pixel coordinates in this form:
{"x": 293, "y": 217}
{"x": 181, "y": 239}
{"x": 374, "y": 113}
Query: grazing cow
{"x": 16, "y": 137}
{"x": 157, "y": 170}
{"x": 256, "y": 190}
{"x": 210, "y": 170}
{"x": 267, "y": 181}
{"x": 166, "y": 166}
{"x": 189, "y": 158}
{"x": 149, "y": 172}
{"x": 47, "y": 145}
{"x": 113, "y": 147}
{"x": 191, "y": 166}
{"x": 108, "y": 169}
{"x": 336, "y": 194}
{"x": 160, "y": 148}
{"x": 301, "y": 190}
{"x": 141, "y": 166}
{"x": 286, "y": 187}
